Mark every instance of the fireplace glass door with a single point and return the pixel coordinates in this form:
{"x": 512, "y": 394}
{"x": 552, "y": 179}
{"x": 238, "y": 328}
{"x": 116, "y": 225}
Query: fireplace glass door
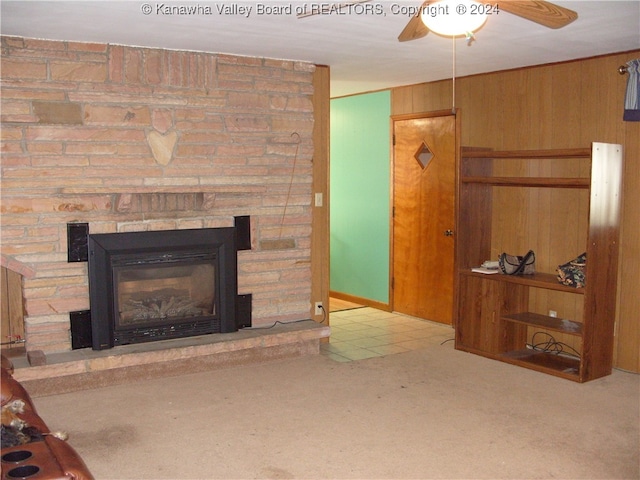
{"x": 156, "y": 296}
{"x": 146, "y": 295}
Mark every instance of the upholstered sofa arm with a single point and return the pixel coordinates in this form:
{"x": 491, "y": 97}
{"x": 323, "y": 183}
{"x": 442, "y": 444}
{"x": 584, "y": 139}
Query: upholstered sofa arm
{"x": 44, "y": 456}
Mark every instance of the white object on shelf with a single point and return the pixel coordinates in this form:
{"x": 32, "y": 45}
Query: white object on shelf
{"x": 485, "y": 270}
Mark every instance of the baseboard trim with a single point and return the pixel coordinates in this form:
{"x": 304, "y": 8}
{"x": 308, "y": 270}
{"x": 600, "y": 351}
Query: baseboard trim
{"x": 362, "y": 301}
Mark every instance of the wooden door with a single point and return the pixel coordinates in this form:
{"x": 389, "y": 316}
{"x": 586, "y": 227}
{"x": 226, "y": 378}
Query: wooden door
{"x": 424, "y": 166}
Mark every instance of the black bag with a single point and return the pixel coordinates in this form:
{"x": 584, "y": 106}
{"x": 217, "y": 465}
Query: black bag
{"x": 573, "y": 273}
{"x": 517, "y": 265}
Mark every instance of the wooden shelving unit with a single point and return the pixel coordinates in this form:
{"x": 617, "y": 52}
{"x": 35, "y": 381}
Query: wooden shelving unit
{"x": 492, "y": 311}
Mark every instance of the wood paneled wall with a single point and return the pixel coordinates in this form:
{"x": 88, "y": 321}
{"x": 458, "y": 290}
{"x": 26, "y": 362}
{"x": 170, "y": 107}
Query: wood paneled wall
{"x": 553, "y": 106}
{"x": 320, "y": 221}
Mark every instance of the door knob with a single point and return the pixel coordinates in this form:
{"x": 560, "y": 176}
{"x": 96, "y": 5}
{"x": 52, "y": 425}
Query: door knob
{"x": 448, "y": 233}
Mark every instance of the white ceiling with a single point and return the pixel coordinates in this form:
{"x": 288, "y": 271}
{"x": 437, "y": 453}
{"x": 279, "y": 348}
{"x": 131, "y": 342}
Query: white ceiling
{"x": 361, "y": 49}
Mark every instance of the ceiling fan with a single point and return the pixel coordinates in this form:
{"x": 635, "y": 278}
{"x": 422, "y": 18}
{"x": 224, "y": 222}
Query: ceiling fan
{"x": 539, "y": 11}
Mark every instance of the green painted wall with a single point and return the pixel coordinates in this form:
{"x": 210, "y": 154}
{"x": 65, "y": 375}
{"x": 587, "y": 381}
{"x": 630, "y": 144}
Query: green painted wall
{"x": 360, "y": 192}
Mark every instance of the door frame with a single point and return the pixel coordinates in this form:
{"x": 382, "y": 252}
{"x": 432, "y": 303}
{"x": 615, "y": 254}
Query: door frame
{"x": 412, "y": 116}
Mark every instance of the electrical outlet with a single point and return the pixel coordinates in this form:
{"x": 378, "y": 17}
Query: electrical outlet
{"x": 318, "y": 308}
{"x": 553, "y": 313}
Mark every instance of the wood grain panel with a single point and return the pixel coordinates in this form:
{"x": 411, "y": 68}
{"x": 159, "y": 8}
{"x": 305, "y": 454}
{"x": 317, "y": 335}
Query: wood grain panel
{"x": 604, "y": 229}
{"x": 320, "y": 220}
{"x": 11, "y": 309}
{"x": 628, "y": 350}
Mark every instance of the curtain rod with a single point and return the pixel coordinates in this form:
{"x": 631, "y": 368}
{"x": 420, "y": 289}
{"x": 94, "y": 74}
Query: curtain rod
{"x": 622, "y": 69}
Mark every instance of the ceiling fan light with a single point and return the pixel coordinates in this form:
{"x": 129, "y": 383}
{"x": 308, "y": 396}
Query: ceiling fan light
{"x": 453, "y": 18}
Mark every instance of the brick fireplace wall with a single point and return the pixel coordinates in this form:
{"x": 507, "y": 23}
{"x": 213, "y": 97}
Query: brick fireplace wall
{"x": 135, "y": 139}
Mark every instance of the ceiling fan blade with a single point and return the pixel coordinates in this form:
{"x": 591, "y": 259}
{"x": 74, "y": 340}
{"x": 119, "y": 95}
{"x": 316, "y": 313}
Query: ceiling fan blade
{"x": 539, "y": 11}
{"x": 415, "y": 28}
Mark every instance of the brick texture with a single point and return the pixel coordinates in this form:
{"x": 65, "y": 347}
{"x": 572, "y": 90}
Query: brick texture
{"x": 76, "y": 120}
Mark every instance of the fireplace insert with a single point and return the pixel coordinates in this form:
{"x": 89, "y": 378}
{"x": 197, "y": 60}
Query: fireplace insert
{"x": 147, "y": 286}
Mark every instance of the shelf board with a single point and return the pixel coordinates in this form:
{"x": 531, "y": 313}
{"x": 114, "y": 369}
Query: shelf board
{"x": 539, "y": 280}
{"x": 559, "y": 365}
{"x": 544, "y": 321}
{"x": 518, "y": 154}
{"x": 551, "y": 182}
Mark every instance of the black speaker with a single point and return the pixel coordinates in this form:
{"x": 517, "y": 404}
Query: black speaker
{"x": 80, "y": 329}
{"x": 243, "y": 310}
{"x": 243, "y": 232}
{"x": 77, "y": 242}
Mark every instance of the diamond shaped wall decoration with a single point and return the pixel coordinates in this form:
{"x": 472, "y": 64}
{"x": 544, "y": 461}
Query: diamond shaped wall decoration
{"x": 423, "y": 155}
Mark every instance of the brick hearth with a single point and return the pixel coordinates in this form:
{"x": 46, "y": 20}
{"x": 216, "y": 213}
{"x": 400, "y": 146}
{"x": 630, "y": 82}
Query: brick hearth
{"x": 86, "y": 368}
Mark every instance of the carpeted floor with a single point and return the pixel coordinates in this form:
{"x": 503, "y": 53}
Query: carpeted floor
{"x": 429, "y": 413}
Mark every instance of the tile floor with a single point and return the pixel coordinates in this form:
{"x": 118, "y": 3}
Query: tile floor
{"x": 366, "y": 332}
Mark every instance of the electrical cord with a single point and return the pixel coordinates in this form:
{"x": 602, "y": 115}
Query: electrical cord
{"x": 552, "y": 346}
{"x": 324, "y": 314}
{"x": 278, "y": 322}
{"x": 293, "y": 170}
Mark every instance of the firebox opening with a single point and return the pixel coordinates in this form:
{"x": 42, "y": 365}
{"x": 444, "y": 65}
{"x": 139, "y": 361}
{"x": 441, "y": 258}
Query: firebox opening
{"x": 161, "y": 293}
